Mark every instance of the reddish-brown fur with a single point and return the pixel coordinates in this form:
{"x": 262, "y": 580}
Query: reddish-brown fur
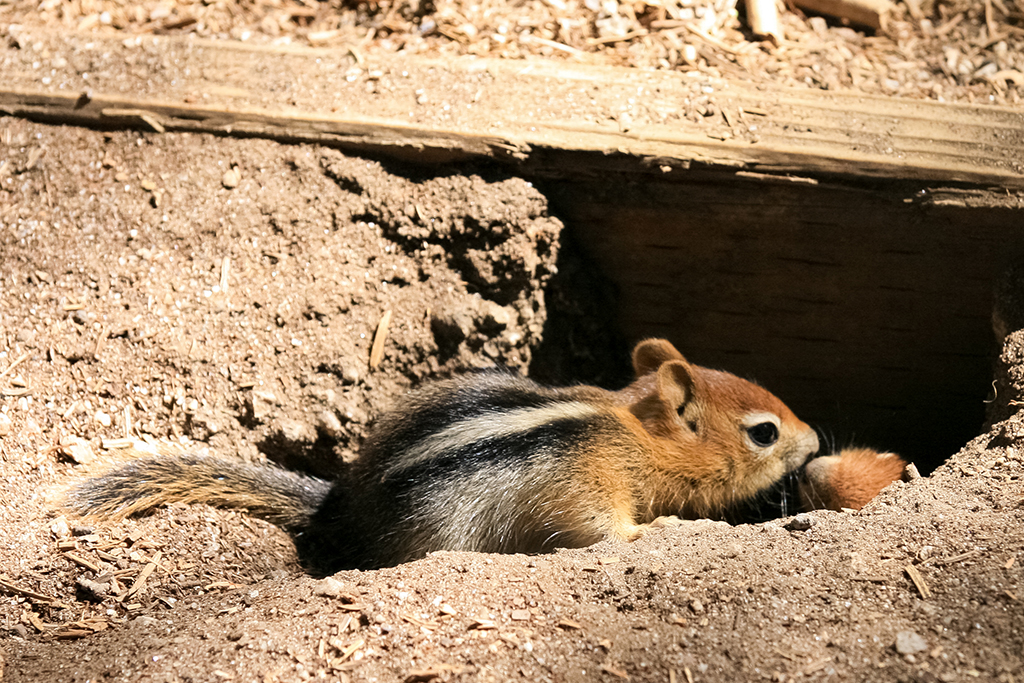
{"x": 850, "y": 479}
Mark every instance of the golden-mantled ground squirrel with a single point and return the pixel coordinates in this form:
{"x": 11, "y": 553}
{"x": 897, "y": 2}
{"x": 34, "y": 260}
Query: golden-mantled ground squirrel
{"x": 848, "y": 479}
{"x": 497, "y": 463}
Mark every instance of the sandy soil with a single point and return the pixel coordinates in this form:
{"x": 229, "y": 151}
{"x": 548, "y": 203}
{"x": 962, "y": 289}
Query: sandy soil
{"x": 227, "y": 292}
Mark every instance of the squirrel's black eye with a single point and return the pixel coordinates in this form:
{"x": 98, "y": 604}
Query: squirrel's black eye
{"x": 764, "y": 434}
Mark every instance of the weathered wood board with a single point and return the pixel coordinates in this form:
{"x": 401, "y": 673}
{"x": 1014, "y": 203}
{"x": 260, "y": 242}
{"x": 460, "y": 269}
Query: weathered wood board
{"x": 430, "y": 109}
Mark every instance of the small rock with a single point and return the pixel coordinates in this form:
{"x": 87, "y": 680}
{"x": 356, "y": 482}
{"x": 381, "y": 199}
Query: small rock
{"x": 295, "y": 431}
{"x": 908, "y": 643}
{"x": 102, "y": 418}
{"x": 350, "y": 375}
{"x": 263, "y": 403}
{"x": 801, "y": 522}
{"x": 352, "y": 413}
{"x": 60, "y": 528}
{"x": 329, "y": 587}
{"x": 92, "y": 590}
{"x": 82, "y": 530}
{"x": 231, "y": 177}
{"x": 328, "y": 423}
{"x": 493, "y": 318}
{"x": 204, "y": 423}
{"x": 77, "y": 450}
{"x": 697, "y": 607}
{"x": 5, "y": 424}
{"x": 520, "y": 615}
{"x": 144, "y": 621}
{"x": 733, "y": 550}
{"x": 450, "y": 328}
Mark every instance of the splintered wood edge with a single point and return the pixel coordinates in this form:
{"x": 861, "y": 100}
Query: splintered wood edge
{"x": 803, "y": 132}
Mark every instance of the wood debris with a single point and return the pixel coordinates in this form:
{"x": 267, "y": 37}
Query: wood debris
{"x": 433, "y": 672}
{"x": 377, "y": 350}
{"x": 140, "y": 581}
{"x": 80, "y": 629}
{"x": 345, "y": 651}
{"x": 763, "y": 18}
{"x": 18, "y": 361}
{"x": 871, "y": 13}
{"x": 615, "y": 671}
{"x": 429, "y": 625}
{"x": 7, "y": 585}
{"x": 919, "y": 582}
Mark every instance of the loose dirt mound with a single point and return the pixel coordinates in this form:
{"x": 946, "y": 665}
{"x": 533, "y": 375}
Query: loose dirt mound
{"x": 230, "y": 292}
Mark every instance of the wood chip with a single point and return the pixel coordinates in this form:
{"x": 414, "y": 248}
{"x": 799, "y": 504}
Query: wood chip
{"x": 433, "y": 672}
{"x": 429, "y": 625}
{"x": 871, "y": 13}
{"x": 608, "y": 560}
{"x": 483, "y": 624}
{"x": 16, "y": 363}
{"x": 82, "y": 562}
{"x": 81, "y": 629}
{"x": 619, "y": 673}
{"x": 348, "y": 651}
{"x": 569, "y": 624}
{"x": 1009, "y": 562}
{"x": 8, "y": 585}
{"x": 220, "y": 584}
{"x": 140, "y": 580}
{"x": 918, "y": 580}
{"x": 225, "y": 268}
{"x": 958, "y": 558}
{"x": 117, "y": 444}
{"x": 377, "y": 350}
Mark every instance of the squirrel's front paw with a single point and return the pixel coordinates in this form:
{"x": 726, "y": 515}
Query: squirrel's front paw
{"x": 669, "y": 521}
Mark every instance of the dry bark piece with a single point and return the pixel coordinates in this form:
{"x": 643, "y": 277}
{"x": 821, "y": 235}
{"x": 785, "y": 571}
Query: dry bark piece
{"x": 6, "y": 584}
{"x": 918, "y": 579}
{"x": 871, "y": 13}
{"x": 140, "y": 581}
{"x": 763, "y": 17}
{"x": 377, "y": 351}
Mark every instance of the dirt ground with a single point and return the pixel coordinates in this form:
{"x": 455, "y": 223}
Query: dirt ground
{"x": 225, "y": 294}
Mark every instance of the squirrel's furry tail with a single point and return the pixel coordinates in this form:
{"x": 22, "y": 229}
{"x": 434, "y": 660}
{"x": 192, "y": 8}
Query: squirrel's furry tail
{"x": 281, "y": 497}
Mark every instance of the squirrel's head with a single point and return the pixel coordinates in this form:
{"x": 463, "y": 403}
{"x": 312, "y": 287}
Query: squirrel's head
{"x": 726, "y": 437}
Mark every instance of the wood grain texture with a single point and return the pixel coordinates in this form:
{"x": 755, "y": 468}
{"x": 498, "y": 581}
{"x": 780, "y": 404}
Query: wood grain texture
{"x": 536, "y": 113}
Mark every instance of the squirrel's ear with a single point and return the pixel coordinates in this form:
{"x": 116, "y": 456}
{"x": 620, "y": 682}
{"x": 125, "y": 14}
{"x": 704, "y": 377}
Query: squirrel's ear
{"x": 675, "y": 383}
{"x": 649, "y": 355}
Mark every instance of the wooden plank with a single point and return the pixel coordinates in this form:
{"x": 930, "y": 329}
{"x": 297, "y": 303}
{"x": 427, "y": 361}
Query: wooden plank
{"x": 535, "y": 113}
